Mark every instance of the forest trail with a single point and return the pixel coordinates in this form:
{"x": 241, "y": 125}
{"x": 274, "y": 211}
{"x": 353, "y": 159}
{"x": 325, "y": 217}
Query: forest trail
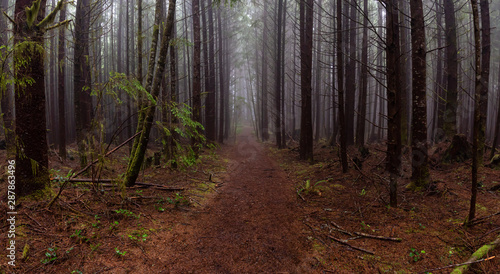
{"x": 251, "y": 226}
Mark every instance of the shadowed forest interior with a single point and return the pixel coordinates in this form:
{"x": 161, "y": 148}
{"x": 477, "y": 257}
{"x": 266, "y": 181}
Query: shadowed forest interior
{"x": 243, "y": 136}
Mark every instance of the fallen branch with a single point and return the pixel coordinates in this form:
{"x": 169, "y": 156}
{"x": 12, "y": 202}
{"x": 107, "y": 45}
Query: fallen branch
{"x": 340, "y": 229}
{"x": 378, "y": 237}
{"x": 88, "y": 166}
{"x": 480, "y": 220}
{"x": 161, "y": 186}
{"x": 455, "y": 265}
{"x": 476, "y": 256}
{"x": 351, "y": 246}
{"x": 108, "y": 183}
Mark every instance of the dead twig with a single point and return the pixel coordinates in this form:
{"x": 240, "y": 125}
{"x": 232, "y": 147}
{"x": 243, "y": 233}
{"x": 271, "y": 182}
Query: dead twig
{"x": 351, "y": 246}
{"x": 298, "y": 194}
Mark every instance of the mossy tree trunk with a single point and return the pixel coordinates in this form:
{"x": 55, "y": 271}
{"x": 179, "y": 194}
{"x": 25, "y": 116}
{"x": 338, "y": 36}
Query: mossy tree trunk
{"x": 139, "y": 150}
{"x": 143, "y": 102}
{"x": 31, "y": 130}
{"x": 476, "y": 256}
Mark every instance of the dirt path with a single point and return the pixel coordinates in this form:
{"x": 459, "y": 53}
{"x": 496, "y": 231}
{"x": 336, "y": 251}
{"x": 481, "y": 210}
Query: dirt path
{"x": 252, "y": 226}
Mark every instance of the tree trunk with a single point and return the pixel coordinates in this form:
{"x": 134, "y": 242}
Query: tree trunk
{"x": 360, "y": 128}
{"x": 210, "y": 108}
{"x": 393, "y": 99}
{"x": 420, "y": 171}
{"x": 340, "y": 89}
{"x": 485, "y": 73}
{"x": 61, "y": 87}
{"x": 149, "y": 77}
{"x": 477, "y": 116}
{"x": 31, "y": 131}
{"x": 350, "y": 85}
{"x": 306, "y": 45}
{"x": 196, "y": 65}
{"x": 81, "y": 78}
{"x": 137, "y": 157}
{"x": 450, "y": 114}
{"x": 497, "y": 127}
{"x": 317, "y": 92}
{"x": 265, "y": 120}
{"x": 222, "y": 91}
{"x": 277, "y": 83}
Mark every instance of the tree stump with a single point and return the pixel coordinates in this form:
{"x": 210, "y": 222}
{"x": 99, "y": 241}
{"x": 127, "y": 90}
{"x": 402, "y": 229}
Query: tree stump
{"x": 459, "y": 150}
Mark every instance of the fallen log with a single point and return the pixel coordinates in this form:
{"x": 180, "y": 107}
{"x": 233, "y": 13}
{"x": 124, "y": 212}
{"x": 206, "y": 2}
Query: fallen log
{"x": 108, "y": 183}
{"x": 476, "y": 256}
{"x": 88, "y": 166}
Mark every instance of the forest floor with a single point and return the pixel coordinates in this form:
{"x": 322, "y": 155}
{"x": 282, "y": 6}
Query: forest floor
{"x": 250, "y": 208}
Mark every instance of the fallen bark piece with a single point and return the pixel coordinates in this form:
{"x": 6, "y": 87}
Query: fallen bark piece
{"x": 351, "y": 246}
{"x": 476, "y": 256}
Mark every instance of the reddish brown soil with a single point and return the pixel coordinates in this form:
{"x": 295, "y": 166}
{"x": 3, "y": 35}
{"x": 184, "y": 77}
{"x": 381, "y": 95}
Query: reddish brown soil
{"x": 252, "y": 226}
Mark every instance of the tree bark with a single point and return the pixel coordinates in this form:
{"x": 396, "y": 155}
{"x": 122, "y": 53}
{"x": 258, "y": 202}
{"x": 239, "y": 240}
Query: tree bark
{"x": 277, "y": 83}
{"x": 420, "y": 171}
{"x": 340, "y": 89}
{"x": 451, "y": 68}
{"x": 477, "y": 116}
{"x": 61, "y": 87}
{"x": 317, "y": 92}
{"x": 81, "y": 78}
{"x": 30, "y": 25}
{"x": 497, "y": 127}
{"x": 360, "y": 128}
{"x": 265, "y": 120}
{"x": 393, "y": 99}
{"x": 210, "y": 108}
{"x": 306, "y": 44}
{"x": 196, "y": 64}
{"x": 222, "y": 91}
{"x": 485, "y": 73}
{"x": 350, "y": 85}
